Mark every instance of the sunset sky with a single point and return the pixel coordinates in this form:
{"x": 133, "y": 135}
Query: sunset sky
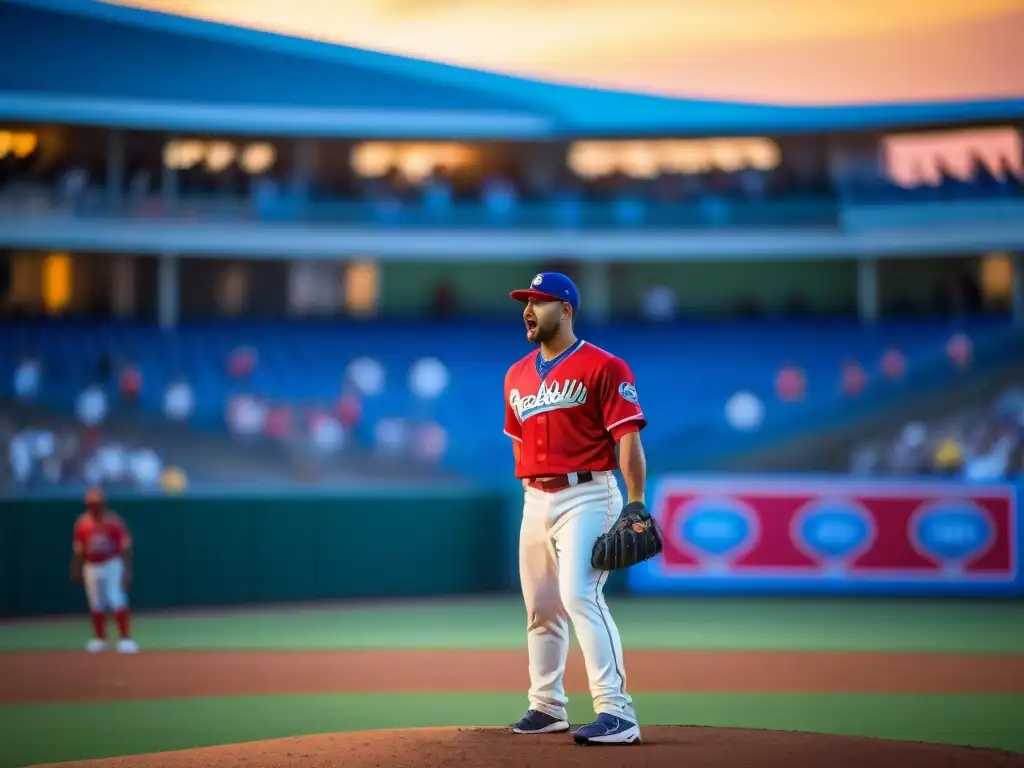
{"x": 781, "y": 51}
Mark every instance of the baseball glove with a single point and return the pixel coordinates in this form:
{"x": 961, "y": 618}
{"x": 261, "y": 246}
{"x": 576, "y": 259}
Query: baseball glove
{"x": 634, "y": 537}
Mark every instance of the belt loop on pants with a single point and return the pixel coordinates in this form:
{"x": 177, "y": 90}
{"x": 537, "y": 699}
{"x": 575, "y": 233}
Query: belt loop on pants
{"x": 560, "y": 482}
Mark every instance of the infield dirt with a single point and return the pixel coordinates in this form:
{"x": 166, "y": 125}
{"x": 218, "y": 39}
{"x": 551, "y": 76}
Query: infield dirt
{"x": 81, "y": 677}
{"x": 663, "y": 747}
{"x": 77, "y": 676}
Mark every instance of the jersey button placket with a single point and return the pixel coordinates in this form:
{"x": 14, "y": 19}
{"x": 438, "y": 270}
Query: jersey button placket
{"x": 542, "y": 438}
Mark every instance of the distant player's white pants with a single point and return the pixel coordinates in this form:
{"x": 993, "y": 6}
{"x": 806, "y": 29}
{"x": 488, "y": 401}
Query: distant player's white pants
{"x": 555, "y": 542}
{"x": 103, "y": 586}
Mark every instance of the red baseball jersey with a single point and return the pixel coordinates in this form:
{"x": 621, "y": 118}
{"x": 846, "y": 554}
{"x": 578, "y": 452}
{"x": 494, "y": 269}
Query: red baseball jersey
{"x": 100, "y": 540}
{"x": 568, "y": 413}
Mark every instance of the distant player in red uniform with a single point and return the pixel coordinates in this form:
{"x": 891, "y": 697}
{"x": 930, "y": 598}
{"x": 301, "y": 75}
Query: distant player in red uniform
{"x": 102, "y": 561}
{"x": 570, "y": 407}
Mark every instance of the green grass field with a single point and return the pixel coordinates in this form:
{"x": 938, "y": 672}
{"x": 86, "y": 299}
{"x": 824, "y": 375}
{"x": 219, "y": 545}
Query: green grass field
{"x": 49, "y": 732}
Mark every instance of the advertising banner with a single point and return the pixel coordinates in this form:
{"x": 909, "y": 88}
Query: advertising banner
{"x": 816, "y": 536}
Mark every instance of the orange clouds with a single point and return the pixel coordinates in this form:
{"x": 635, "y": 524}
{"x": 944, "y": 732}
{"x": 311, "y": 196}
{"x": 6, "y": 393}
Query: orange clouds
{"x": 783, "y": 51}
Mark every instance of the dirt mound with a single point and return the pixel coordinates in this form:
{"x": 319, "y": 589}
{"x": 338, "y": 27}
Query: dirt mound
{"x": 663, "y": 747}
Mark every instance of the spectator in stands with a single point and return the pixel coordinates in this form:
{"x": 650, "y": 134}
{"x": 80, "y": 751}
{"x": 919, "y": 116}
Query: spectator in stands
{"x": 436, "y": 194}
{"x": 140, "y": 185}
{"x": 73, "y": 186}
{"x": 430, "y": 442}
{"x": 242, "y": 362}
{"x": 108, "y": 466}
{"x": 144, "y": 468}
{"x": 27, "y": 378}
{"x": 567, "y": 205}
{"x": 20, "y": 454}
{"x": 91, "y": 405}
{"x": 949, "y": 457}
{"x": 1009, "y": 182}
{"x": 908, "y": 455}
{"x": 179, "y": 400}
{"x": 854, "y": 378}
{"x": 894, "y": 364}
{"x": 366, "y": 375}
{"x": 326, "y": 433}
{"x": 349, "y": 410}
{"x": 753, "y": 184}
{"x": 628, "y": 207}
{"x": 790, "y": 383}
{"x": 130, "y": 384}
{"x": 981, "y": 176}
{"x": 659, "y": 304}
{"x": 68, "y": 452}
{"x": 960, "y": 350}
{"x": 992, "y": 463}
{"x": 499, "y": 198}
{"x": 279, "y": 423}
{"x": 391, "y": 437}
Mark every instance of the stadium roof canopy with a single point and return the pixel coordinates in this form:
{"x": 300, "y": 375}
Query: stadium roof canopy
{"x": 84, "y": 62}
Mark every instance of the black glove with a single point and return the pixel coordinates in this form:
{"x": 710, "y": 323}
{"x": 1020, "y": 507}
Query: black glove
{"x": 634, "y": 537}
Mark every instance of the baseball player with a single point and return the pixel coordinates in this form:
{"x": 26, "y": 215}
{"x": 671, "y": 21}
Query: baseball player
{"x": 102, "y": 561}
{"x": 570, "y": 407}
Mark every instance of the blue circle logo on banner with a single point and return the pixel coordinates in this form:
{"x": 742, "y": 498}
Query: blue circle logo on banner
{"x": 952, "y": 530}
{"x": 834, "y": 529}
{"x": 716, "y": 527}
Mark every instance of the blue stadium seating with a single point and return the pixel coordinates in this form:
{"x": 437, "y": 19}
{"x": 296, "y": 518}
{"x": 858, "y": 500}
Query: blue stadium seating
{"x": 685, "y": 372}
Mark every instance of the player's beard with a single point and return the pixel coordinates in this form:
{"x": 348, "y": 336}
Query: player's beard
{"x": 544, "y": 332}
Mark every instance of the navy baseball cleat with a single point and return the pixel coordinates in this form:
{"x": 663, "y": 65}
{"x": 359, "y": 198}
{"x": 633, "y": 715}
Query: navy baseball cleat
{"x": 539, "y": 722}
{"x": 608, "y": 729}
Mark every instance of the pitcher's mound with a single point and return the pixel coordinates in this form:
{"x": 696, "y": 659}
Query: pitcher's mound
{"x": 663, "y": 747}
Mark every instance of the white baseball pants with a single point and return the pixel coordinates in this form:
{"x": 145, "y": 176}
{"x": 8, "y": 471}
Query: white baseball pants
{"x": 555, "y": 542}
{"x": 103, "y": 586}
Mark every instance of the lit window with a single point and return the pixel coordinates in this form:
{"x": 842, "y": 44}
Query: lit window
{"x": 414, "y": 161}
{"x": 591, "y": 159}
{"x": 996, "y": 276}
{"x": 57, "y": 274}
{"x": 681, "y": 157}
{"x": 234, "y": 293}
{"x": 417, "y": 163}
{"x": 638, "y": 160}
{"x": 219, "y": 155}
{"x": 648, "y": 159}
{"x": 179, "y": 155}
{"x": 726, "y": 154}
{"x": 362, "y": 287}
{"x": 763, "y": 154}
{"x": 258, "y": 158}
{"x": 23, "y": 144}
{"x": 912, "y": 159}
{"x": 373, "y": 159}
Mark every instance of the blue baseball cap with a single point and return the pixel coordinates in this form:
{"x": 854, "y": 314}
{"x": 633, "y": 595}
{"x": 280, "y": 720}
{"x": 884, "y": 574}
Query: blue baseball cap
{"x": 550, "y": 286}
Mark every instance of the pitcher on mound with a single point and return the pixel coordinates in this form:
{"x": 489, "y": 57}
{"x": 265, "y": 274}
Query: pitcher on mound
{"x": 572, "y": 412}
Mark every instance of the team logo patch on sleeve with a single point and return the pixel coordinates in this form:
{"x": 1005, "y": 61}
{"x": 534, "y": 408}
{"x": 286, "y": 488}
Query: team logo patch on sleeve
{"x": 628, "y": 393}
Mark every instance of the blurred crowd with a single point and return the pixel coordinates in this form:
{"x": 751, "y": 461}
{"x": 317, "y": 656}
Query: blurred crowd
{"x": 982, "y": 182}
{"x": 107, "y": 437}
{"x": 226, "y": 425}
{"x": 979, "y": 443}
{"x": 439, "y": 198}
{"x": 465, "y": 194}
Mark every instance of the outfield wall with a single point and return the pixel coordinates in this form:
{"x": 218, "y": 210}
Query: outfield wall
{"x": 724, "y": 535}
{"x": 209, "y": 550}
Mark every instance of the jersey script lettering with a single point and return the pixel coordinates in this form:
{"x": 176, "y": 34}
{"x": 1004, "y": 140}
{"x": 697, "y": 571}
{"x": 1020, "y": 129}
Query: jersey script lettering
{"x": 549, "y": 397}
